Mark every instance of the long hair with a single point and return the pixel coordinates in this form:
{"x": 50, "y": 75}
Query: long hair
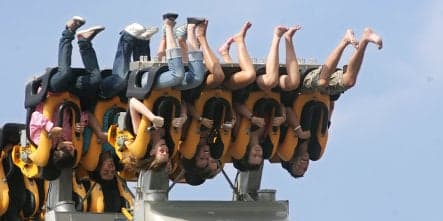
{"x": 243, "y": 163}
{"x": 62, "y": 158}
{"x": 289, "y": 164}
{"x": 150, "y": 163}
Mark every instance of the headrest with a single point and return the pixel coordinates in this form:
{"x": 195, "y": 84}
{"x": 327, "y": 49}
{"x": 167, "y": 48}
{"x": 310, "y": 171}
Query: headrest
{"x": 10, "y": 133}
{"x": 310, "y": 120}
{"x": 111, "y": 86}
{"x": 139, "y": 89}
{"x": 261, "y": 69}
{"x": 68, "y": 105}
{"x": 230, "y": 69}
{"x": 34, "y": 96}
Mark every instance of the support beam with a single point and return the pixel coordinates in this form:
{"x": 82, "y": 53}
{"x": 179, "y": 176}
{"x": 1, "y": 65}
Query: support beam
{"x": 152, "y": 185}
{"x": 60, "y": 189}
{"x": 248, "y": 185}
{"x": 213, "y": 210}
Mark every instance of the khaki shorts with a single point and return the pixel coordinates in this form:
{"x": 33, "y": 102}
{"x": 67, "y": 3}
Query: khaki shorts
{"x": 335, "y": 85}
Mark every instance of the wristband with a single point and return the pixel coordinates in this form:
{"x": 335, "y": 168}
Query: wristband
{"x": 297, "y": 127}
{"x": 251, "y": 116}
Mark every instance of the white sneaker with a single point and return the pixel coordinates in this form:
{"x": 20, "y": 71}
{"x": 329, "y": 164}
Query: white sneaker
{"x": 135, "y": 30}
{"x": 90, "y": 33}
{"x": 75, "y": 22}
{"x": 150, "y": 31}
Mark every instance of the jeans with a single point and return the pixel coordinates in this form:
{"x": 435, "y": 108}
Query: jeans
{"x": 87, "y": 85}
{"x": 116, "y": 84}
{"x": 65, "y": 79}
{"x": 141, "y": 48}
{"x": 128, "y": 45}
{"x": 123, "y": 55}
{"x": 196, "y": 74}
{"x": 176, "y": 77}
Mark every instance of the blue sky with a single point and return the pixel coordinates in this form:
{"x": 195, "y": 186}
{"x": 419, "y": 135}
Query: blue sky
{"x": 385, "y": 146}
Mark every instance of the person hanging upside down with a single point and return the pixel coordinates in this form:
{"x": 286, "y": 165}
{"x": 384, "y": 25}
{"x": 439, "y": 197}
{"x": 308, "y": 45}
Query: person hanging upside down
{"x": 64, "y": 152}
{"x": 331, "y": 81}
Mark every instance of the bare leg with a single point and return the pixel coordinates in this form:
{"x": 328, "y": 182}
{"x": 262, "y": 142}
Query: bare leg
{"x": 270, "y": 79}
{"x": 161, "y": 52}
{"x": 193, "y": 44}
{"x": 182, "y": 44}
{"x": 355, "y": 62}
{"x": 331, "y": 62}
{"x": 170, "y": 38}
{"x": 216, "y": 75}
{"x": 224, "y": 50}
{"x": 292, "y": 80}
{"x": 136, "y": 108}
{"x": 247, "y": 74}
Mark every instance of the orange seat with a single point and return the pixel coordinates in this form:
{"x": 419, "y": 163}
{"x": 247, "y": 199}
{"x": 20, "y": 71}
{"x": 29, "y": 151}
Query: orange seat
{"x": 288, "y": 147}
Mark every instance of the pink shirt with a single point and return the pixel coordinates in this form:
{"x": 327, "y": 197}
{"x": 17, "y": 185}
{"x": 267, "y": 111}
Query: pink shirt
{"x": 39, "y": 122}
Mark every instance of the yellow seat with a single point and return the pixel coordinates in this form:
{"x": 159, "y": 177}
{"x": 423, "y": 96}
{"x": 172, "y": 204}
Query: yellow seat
{"x": 188, "y": 147}
{"x": 239, "y": 146}
{"x": 288, "y": 147}
{"x": 138, "y": 147}
{"x": 98, "y": 201}
{"x": 4, "y": 189}
{"x": 80, "y": 191}
{"x": 39, "y": 154}
{"x": 9, "y": 135}
{"x": 126, "y": 194}
{"x": 33, "y": 205}
{"x": 90, "y": 160}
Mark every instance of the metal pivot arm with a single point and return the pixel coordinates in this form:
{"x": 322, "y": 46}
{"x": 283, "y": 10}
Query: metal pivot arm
{"x": 248, "y": 184}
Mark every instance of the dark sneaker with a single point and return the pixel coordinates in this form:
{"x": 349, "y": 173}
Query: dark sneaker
{"x": 74, "y": 23}
{"x": 195, "y": 20}
{"x": 170, "y": 15}
{"x": 89, "y": 33}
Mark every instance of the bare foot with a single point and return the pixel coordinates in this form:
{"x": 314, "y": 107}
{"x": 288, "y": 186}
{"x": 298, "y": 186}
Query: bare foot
{"x": 224, "y": 48}
{"x": 370, "y": 36}
{"x": 280, "y": 30}
{"x": 201, "y": 29}
{"x": 192, "y": 39}
{"x": 191, "y": 28}
{"x": 169, "y": 23}
{"x": 291, "y": 31}
{"x": 241, "y": 35}
{"x": 349, "y": 38}
{"x": 161, "y": 54}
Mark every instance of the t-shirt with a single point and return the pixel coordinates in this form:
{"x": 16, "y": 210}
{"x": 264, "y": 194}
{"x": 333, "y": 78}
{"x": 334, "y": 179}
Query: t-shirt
{"x": 39, "y": 122}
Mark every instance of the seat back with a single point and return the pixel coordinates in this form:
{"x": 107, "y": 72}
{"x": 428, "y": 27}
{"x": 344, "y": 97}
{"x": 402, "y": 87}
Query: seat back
{"x": 288, "y": 147}
{"x": 112, "y": 106}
